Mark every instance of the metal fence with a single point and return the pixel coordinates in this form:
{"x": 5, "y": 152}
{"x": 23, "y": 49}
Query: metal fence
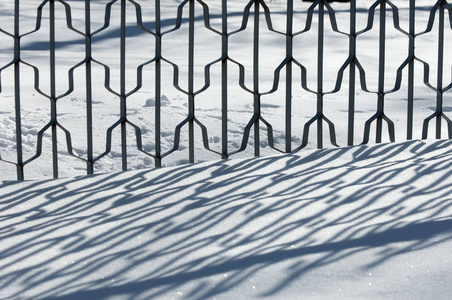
{"x": 98, "y": 26}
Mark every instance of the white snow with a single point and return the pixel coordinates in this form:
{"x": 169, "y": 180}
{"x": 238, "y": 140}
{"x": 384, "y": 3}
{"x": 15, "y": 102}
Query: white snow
{"x": 364, "y": 222}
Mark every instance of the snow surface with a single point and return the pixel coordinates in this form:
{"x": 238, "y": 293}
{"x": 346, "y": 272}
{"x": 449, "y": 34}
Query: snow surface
{"x": 363, "y": 222}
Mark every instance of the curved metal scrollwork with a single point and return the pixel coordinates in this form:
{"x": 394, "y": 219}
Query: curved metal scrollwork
{"x": 317, "y": 15}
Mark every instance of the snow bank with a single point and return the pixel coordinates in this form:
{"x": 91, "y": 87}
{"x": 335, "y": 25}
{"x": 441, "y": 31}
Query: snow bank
{"x": 350, "y": 223}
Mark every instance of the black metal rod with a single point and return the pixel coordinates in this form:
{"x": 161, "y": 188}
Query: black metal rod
{"x": 381, "y": 70}
{"x": 289, "y": 55}
{"x": 352, "y": 76}
{"x": 224, "y": 80}
{"x": 320, "y": 50}
{"x": 17, "y": 99}
{"x": 440, "y": 70}
{"x": 257, "y": 106}
{"x": 158, "y": 85}
{"x": 123, "y": 105}
{"x": 191, "y": 75}
{"x": 411, "y": 45}
{"x": 53, "y": 106}
{"x": 89, "y": 89}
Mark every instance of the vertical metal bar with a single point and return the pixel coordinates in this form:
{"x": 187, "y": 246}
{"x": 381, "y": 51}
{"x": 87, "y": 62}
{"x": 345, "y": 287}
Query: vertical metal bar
{"x": 158, "y": 85}
{"x": 257, "y": 106}
{"x": 411, "y": 48}
{"x": 381, "y": 70}
{"x": 89, "y": 92}
{"x": 289, "y": 54}
{"x": 19, "y": 151}
{"x": 320, "y": 75}
{"x": 53, "y": 108}
{"x": 191, "y": 75}
{"x": 352, "y": 76}
{"x": 439, "y": 78}
{"x": 123, "y": 107}
{"x": 224, "y": 82}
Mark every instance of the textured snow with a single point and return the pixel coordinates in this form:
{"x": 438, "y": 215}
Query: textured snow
{"x": 351, "y": 223}
{"x": 363, "y": 222}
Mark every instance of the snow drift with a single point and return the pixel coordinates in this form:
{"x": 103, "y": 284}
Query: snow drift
{"x": 350, "y": 223}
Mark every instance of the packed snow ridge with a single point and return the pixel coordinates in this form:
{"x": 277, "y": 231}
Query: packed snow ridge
{"x": 363, "y": 222}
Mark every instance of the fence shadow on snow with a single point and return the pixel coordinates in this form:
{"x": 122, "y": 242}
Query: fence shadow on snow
{"x": 207, "y": 229}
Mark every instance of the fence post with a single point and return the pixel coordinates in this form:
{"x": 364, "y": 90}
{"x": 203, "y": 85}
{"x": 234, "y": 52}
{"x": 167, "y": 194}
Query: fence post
{"x": 381, "y": 69}
{"x": 158, "y": 85}
{"x": 352, "y": 76}
{"x": 89, "y": 91}
{"x": 320, "y": 36}
{"x": 257, "y": 104}
{"x": 289, "y": 55}
{"x": 123, "y": 107}
{"x": 439, "y": 76}
{"x": 19, "y": 150}
{"x": 224, "y": 81}
{"x": 53, "y": 104}
{"x": 191, "y": 74}
{"x": 411, "y": 45}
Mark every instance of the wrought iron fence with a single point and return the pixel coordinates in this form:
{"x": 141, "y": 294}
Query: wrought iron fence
{"x": 301, "y": 37}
